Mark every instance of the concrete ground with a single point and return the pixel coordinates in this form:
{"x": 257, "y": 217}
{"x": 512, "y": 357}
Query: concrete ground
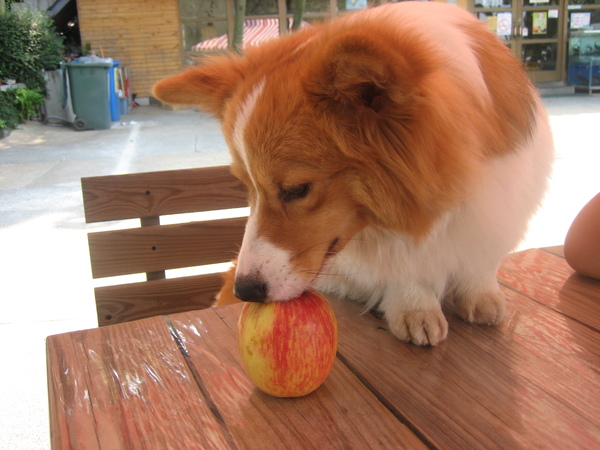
{"x": 46, "y": 286}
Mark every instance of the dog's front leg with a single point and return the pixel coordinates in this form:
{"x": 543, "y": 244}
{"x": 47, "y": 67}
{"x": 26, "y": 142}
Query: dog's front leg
{"x": 414, "y": 314}
{"x": 481, "y": 303}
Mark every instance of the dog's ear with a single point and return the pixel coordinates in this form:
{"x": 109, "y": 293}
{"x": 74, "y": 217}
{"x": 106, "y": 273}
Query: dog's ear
{"x": 355, "y": 71}
{"x": 207, "y": 86}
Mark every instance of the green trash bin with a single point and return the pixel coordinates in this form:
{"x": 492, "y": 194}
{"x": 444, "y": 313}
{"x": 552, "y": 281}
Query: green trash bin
{"x": 90, "y": 94}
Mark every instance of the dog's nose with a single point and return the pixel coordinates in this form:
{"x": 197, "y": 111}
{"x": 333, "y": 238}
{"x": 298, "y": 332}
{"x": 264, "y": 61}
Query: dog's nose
{"x": 250, "y": 290}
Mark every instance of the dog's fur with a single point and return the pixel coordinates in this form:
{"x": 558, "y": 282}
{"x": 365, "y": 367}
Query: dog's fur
{"x": 392, "y": 156}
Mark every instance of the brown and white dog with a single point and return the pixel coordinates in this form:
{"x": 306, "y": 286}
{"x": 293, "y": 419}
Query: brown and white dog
{"x": 392, "y": 156}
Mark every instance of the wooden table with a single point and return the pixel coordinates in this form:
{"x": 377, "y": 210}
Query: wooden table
{"x": 176, "y": 381}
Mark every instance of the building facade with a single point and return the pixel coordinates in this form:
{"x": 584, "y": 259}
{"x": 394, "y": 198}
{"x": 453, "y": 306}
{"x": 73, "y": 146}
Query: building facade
{"x": 156, "y": 38}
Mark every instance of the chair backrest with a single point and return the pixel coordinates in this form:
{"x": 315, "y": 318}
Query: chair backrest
{"x": 153, "y": 248}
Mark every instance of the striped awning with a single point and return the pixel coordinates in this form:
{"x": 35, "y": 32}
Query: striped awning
{"x": 256, "y": 31}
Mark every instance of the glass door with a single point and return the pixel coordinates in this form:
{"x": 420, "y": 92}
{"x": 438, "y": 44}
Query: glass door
{"x": 542, "y": 41}
{"x": 533, "y": 29}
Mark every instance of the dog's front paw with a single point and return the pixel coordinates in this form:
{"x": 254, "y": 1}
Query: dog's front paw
{"x": 421, "y": 327}
{"x": 485, "y": 309}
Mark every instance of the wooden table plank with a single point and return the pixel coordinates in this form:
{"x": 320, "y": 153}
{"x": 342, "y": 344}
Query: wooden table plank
{"x": 548, "y": 279}
{"x": 342, "y": 413}
{"x": 558, "y": 250}
{"x": 126, "y": 386}
{"x": 70, "y": 406}
{"x": 177, "y": 382}
{"x": 554, "y": 360}
{"x": 516, "y": 385}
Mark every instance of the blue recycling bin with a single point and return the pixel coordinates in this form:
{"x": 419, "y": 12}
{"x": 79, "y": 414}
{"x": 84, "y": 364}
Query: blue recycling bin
{"x": 115, "y": 109}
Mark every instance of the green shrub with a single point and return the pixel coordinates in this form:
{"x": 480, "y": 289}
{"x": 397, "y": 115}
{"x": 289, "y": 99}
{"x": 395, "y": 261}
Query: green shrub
{"x": 18, "y": 105}
{"x": 9, "y": 114}
{"x": 29, "y": 45}
{"x": 28, "y": 102}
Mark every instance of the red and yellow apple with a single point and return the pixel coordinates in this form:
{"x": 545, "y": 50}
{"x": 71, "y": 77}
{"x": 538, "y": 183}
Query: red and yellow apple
{"x": 288, "y": 348}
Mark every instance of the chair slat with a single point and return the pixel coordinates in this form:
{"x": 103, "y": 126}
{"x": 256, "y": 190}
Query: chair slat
{"x": 151, "y": 249}
{"x": 154, "y": 248}
{"x": 123, "y": 303}
{"x": 117, "y": 197}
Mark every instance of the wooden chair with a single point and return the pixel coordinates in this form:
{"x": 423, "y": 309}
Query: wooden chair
{"x": 153, "y": 248}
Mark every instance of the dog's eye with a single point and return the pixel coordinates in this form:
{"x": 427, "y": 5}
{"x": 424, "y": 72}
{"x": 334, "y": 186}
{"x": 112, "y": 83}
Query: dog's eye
{"x": 289, "y": 193}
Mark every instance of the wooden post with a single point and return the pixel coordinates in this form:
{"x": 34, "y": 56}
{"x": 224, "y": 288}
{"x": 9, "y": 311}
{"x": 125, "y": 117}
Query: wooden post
{"x": 230, "y": 21}
{"x": 282, "y": 16}
{"x": 238, "y": 28}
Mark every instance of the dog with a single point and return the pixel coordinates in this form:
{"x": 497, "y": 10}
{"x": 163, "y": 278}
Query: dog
{"x": 392, "y": 156}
